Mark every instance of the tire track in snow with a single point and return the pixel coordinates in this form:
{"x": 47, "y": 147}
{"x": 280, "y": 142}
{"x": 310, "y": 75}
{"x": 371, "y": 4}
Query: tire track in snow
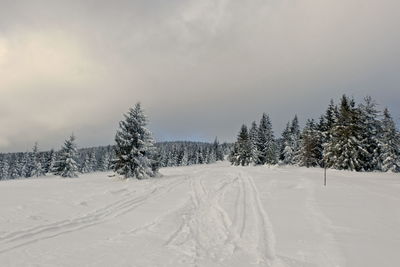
{"x": 35, "y": 234}
{"x": 210, "y": 236}
{"x": 265, "y": 243}
{"x": 239, "y": 218}
{"x": 204, "y": 230}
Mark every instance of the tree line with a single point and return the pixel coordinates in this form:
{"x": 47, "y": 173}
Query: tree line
{"x": 99, "y": 159}
{"x": 132, "y": 143}
{"x": 348, "y": 136}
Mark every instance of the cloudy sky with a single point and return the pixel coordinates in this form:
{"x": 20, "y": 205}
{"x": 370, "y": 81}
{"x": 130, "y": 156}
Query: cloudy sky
{"x": 200, "y": 68}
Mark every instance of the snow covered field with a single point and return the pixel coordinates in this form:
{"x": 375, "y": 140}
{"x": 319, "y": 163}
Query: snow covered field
{"x": 214, "y": 215}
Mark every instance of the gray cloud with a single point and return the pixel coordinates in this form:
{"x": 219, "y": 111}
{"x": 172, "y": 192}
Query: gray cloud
{"x": 200, "y": 68}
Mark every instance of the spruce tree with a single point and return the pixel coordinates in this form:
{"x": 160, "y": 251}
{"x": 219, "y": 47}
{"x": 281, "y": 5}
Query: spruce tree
{"x": 310, "y": 151}
{"x": 219, "y": 155}
{"x": 320, "y": 132}
{"x": 389, "y": 144}
{"x": 93, "y": 163}
{"x": 185, "y": 158}
{"x": 50, "y": 161}
{"x": 327, "y": 122}
{"x": 253, "y": 135}
{"x": 105, "y": 162}
{"x": 331, "y": 116}
{"x": 344, "y": 150}
{"x": 241, "y": 155}
{"x": 26, "y": 163}
{"x": 371, "y": 127}
{"x": 4, "y": 168}
{"x": 37, "y": 169}
{"x": 86, "y": 166}
{"x": 234, "y": 154}
{"x": 286, "y": 150}
{"x": 295, "y": 140}
{"x": 14, "y": 170}
{"x": 266, "y": 148}
{"x": 15, "y": 167}
{"x": 135, "y": 150}
{"x": 66, "y": 165}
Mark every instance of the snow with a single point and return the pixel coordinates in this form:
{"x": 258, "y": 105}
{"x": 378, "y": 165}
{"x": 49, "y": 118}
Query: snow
{"x": 209, "y": 215}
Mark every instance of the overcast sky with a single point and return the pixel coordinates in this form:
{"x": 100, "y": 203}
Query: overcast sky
{"x": 200, "y": 68}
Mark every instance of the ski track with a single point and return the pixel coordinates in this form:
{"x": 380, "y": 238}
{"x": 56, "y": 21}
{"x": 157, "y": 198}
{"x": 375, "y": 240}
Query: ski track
{"x": 208, "y": 233}
{"x": 28, "y": 236}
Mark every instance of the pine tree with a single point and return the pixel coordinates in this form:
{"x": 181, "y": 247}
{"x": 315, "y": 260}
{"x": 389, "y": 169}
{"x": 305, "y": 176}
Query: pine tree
{"x": 66, "y": 165}
{"x": 199, "y": 156}
{"x": 219, "y": 155}
{"x": 253, "y": 135}
{"x": 320, "y": 132}
{"x": 37, "y": 169}
{"x": 331, "y": 116}
{"x": 105, "y": 162}
{"x": 266, "y": 148}
{"x": 135, "y": 148}
{"x": 234, "y": 154}
{"x": 327, "y": 122}
{"x": 26, "y": 162}
{"x": 93, "y": 163}
{"x": 286, "y": 150}
{"x": 295, "y": 140}
{"x": 371, "y": 127}
{"x": 4, "y": 168}
{"x": 389, "y": 144}
{"x": 185, "y": 158}
{"x": 86, "y": 166}
{"x": 14, "y": 169}
{"x": 310, "y": 150}
{"x": 241, "y": 154}
{"x": 50, "y": 161}
{"x": 344, "y": 150}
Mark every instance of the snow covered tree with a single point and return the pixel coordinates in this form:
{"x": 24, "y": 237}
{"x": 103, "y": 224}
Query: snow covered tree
{"x": 330, "y": 116}
{"x": 50, "y": 161}
{"x": 135, "y": 148}
{"x": 290, "y": 143}
{"x": 295, "y": 139}
{"x": 86, "y": 166}
{"x": 185, "y": 157}
{"x": 219, "y": 154}
{"x": 344, "y": 150}
{"x": 389, "y": 144}
{"x": 199, "y": 156}
{"x": 286, "y": 150}
{"x": 14, "y": 170}
{"x": 253, "y": 135}
{"x": 66, "y": 165}
{"x": 4, "y": 168}
{"x": 327, "y": 122}
{"x": 233, "y": 155}
{"x": 371, "y": 128}
{"x": 266, "y": 147}
{"x": 26, "y": 161}
{"x": 105, "y": 162}
{"x": 37, "y": 169}
{"x": 93, "y": 163}
{"x": 320, "y": 140}
{"x": 310, "y": 150}
{"x": 241, "y": 154}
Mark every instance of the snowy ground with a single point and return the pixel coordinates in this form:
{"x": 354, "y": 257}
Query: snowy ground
{"x": 214, "y": 215}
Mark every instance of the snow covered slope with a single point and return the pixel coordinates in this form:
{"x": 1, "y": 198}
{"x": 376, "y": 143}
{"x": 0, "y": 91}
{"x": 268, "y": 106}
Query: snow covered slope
{"x": 214, "y": 215}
